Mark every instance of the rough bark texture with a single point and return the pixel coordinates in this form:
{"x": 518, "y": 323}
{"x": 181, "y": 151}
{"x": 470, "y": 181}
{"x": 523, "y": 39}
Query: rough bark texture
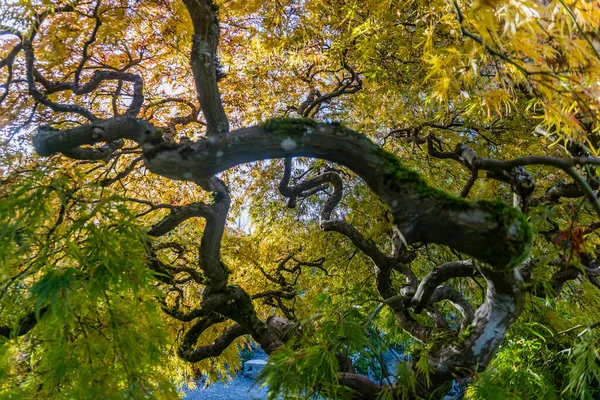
{"x": 205, "y": 65}
{"x": 491, "y": 232}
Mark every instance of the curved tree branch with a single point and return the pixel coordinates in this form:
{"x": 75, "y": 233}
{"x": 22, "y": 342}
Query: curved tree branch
{"x": 553, "y": 287}
{"x": 93, "y": 84}
{"x": 348, "y": 84}
{"x": 383, "y": 265}
{"x": 41, "y": 98}
{"x": 447, "y": 292}
{"x": 438, "y": 276}
{"x": 85, "y": 56}
{"x": 177, "y": 216}
{"x": 187, "y": 350}
{"x": 556, "y": 192}
{"x": 98, "y": 153}
{"x": 489, "y": 231}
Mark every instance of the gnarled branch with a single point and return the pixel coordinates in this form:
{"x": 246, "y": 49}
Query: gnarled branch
{"x": 489, "y": 231}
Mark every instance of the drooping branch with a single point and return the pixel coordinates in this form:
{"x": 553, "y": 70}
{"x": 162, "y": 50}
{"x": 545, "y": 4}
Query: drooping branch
{"x": 192, "y": 272}
{"x": 215, "y": 348}
{"x": 517, "y": 177}
{"x": 357, "y": 239}
{"x": 275, "y": 293}
{"x": 187, "y": 349}
{"x": 513, "y": 172}
{"x": 555, "y": 192}
{"x": 554, "y": 286}
{"x": 364, "y": 387}
{"x": 565, "y": 164}
{"x": 183, "y": 316}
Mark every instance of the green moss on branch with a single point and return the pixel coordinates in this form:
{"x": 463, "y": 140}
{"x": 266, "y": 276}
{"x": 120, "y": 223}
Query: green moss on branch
{"x": 288, "y": 126}
{"x": 511, "y": 229}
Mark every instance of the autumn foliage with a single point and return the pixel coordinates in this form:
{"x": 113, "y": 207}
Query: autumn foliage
{"x": 329, "y": 180}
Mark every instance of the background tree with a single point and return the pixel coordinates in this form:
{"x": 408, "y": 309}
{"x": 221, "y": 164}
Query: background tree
{"x": 129, "y": 265}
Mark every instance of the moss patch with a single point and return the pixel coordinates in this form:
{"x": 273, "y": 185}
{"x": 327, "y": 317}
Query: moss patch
{"x": 402, "y": 178}
{"x": 288, "y": 126}
{"x": 464, "y": 336}
{"x": 512, "y": 230}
